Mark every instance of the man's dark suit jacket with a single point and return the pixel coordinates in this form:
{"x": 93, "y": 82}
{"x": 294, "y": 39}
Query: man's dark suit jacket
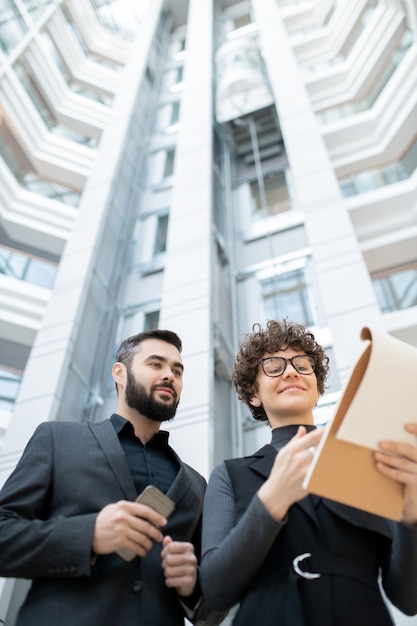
{"x": 48, "y": 508}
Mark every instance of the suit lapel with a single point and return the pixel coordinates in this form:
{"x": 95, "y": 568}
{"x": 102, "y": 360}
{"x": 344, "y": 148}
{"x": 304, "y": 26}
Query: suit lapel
{"x": 183, "y": 481}
{"x": 262, "y": 464}
{"x": 180, "y": 485}
{"x": 107, "y": 440}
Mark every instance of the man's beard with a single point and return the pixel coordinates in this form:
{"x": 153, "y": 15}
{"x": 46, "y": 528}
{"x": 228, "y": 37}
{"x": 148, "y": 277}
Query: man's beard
{"x": 138, "y": 399}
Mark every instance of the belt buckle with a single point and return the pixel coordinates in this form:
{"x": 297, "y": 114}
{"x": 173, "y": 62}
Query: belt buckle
{"x": 299, "y": 571}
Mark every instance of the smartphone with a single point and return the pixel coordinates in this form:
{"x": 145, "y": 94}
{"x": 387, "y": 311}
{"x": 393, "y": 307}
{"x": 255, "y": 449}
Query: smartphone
{"x": 153, "y": 497}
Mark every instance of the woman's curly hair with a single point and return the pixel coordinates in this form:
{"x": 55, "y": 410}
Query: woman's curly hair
{"x": 276, "y": 336}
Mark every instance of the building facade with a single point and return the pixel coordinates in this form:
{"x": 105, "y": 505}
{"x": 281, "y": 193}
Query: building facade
{"x": 199, "y": 166}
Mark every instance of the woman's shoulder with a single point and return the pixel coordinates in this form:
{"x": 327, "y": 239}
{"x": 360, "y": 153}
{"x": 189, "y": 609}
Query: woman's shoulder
{"x": 265, "y": 451}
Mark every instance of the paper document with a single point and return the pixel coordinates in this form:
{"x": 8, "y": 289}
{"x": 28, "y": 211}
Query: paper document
{"x": 379, "y": 397}
{"x": 386, "y": 397}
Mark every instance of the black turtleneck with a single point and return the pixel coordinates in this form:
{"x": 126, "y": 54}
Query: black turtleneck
{"x": 282, "y": 435}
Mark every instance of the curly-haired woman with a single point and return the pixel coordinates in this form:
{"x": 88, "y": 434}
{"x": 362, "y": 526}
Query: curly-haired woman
{"x": 285, "y": 557}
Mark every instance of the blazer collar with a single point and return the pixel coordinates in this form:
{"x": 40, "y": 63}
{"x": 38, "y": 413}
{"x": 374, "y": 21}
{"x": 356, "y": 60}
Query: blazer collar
{"x": 108, "y": 441}
{"x": 262, "y": 463}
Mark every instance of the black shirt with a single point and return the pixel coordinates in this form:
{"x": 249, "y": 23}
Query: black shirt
{"x": 153, "y": 463}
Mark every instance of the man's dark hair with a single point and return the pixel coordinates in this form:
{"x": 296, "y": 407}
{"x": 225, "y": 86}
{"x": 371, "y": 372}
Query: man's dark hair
{"x": 276, "y": 336}
{"x": 128, "y": 347}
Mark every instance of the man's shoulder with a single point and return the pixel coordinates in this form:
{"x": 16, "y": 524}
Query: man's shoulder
{"x": 193, "y": 473}
{"x": 69, "y": 428}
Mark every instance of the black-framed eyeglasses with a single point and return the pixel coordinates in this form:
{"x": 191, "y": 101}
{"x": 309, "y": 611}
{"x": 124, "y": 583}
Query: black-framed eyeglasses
{"x": 276, "y": 365}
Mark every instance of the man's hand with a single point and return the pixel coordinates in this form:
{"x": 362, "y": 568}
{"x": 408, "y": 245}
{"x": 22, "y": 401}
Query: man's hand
{"x": 126, "y": 524}
{"x": 180, "y": 565}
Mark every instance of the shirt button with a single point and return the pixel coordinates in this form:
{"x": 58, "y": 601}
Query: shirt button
{"x": 136, "y": 586}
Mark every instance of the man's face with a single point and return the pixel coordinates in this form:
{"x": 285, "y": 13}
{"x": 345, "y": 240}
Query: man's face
{"x": 154, "y": 380}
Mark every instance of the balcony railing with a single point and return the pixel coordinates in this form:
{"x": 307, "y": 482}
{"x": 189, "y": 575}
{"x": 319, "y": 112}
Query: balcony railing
{"x": 29, "y": 269}
{"x": 396, "y": 289}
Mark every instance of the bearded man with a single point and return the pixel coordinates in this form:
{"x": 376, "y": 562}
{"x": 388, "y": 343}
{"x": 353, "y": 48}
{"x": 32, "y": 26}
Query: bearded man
{"x": 68, "y": 510}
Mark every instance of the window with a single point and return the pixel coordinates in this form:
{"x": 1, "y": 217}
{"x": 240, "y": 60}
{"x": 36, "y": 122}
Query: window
{"x": 180, "y": 74}
{"x": 161, "y": 234}
{"x": 169, "y": 163}
{"x": 151, "y": 320}
{"x": 276, "y": 195}
{"x": 243, "y": 20}
{"x": 288, "y": 295}
{"x": 396, "y": 289}
{"x": 175, "y": 112}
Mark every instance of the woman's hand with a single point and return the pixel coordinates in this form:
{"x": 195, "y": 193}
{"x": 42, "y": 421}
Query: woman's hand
{"x": 399, "y": 462}
{"x": 285, "y": 483}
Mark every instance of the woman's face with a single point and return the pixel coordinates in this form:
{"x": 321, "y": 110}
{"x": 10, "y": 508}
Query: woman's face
{"x": 288, "y": 398}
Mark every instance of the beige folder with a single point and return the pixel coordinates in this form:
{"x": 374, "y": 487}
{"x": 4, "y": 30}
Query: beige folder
{"x": 379, "y": 397}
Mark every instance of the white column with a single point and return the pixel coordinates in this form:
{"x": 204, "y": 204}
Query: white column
{"x": 186, "y": 302}
{"x": 347, "y": 295}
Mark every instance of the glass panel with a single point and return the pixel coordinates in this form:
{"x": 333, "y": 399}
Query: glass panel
{"x": 276, "y": 195}
{"x": 379, "y": 177}
{"x": 16, "y": 161}
{"x": 347, "y": 109}
{"x": 123, "y": 18}
{"x": 68, "y": 17}
{"x": 287, "y": 296}
{"x": 12, "y": 25}
{"x": 161, "y": 234}
{"x": 34, "y": 91}
{"x": 29, "y": 269}
{"x": 72, "y": 135}
{"x": 40, "y": 273}
{"x": 55, "y": 55}
{"x": 9, "y": 388}
{"x": 51, "y": 190}
{"x": 12, "y": 155}
{"x": 36, "y": 7}
{"x": 396, "y": 290}
{"x": 106, "y": 99}
{"x": 16, "y": 265}
{"x": 27, "y": 78}
{"x": 175, "y": 112}
{"x": 241, "y": 21}
{"x": 151, "y": 320}
{"x": 409, "y": 160}
{"x": 169, "y": 163}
